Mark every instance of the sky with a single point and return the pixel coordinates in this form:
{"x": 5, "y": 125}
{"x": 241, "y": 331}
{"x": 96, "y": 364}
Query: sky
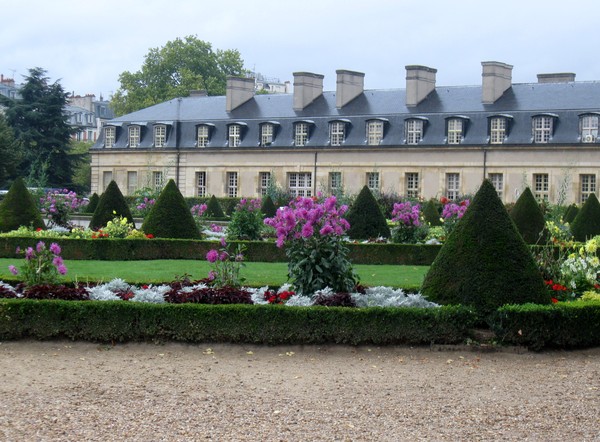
{"x": 85, "y": 46}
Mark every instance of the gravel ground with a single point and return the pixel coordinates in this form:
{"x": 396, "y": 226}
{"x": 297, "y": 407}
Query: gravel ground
{"x": 77, "y": 391}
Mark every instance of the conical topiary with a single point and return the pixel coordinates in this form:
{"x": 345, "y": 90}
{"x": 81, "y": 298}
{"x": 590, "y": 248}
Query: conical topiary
{"x": 91, "y": 207}
{"x": 170, "y": 217}
{"x": 431, "y": 213}
{"x": 570, "y": 213}
{"x": 111, "y": 204}
{"x": 268, "y": 208}
{"x": 485, "y": 263}
{"x": 18, "y": 208}
{"x": 365, "y": 217}
{"x": 213, "y": 208}
{"x": 587, "y": 222}
{"x": 528, "y": 217}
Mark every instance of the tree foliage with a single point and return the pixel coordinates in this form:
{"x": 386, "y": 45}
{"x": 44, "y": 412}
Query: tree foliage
{"x": 41, "y": 127}
{"x": 18, "y": 208}
{"x": 10, "y": 152}
{"x": 182, "y": 65}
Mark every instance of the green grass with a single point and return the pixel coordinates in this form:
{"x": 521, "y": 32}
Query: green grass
{"x": 256, "y": 273}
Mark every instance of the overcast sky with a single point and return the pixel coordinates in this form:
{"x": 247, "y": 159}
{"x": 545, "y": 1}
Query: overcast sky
{"x": 86, "y": 45}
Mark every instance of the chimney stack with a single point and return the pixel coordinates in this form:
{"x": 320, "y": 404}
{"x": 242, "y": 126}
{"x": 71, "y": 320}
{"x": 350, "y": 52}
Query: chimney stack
{"x": 239, "y": 90}
{"x": 420, "y": 82}
{"x": 561, "y": 77}
{"x": 307, "y": 88}
{"x": 496, "y": 79}
{"x": 350, "y": 85}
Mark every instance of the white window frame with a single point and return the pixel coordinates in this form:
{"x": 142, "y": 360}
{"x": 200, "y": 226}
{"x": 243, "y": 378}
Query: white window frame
{"x": 497, "y": 180}
{"x": 412, "y": 185}
{"x": 455, "y": 130}
{"x": 201, "y": 183}
{"x": 110, "y": 136}
{"x": 267, "y": 131}
{"x": 300, "y": 184}
{"x": 158, "y": 181}
{"x": 372, "y": 181}
{"x": 134, "y": 134}
{"x": 452, "y": 186}
{"x": 337, "y": 133}
{"x": 589, "y": 128}
{"x": 335, "y": 181}
{"x": 132, "y": 182}
{"x": 160, "y": 135}
{"x": 203, "y": 135}
{"x": 374, "y": 132}
{"x": 542, "y": 127}
{"x": 301, "y": 134}
{"x": 414, "y": 131}
{"x": 497, "y": 130}
{"x": 235, "y": 135}
{"x": 232, "y": 184}
{"x": 587, "y": 186}
{"x": 264, "y": 181}
{"x": 541, "y": 186}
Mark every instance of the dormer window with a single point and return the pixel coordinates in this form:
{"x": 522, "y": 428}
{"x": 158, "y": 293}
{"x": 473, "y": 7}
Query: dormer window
{"x": 134, "y": 136}
{"x": 160, "y": 135}
{"x": 267, "y": 133}
{"x": 302, "y": 133}
{"x": 374, "y": 132}
{"x": 542, "y": 127}
{"x": 414, "y": 130}
{"x": 455, "y": 131}
{"x": 235, "y": 135}
{"x": 203, "y": 135}
{"x": 109, "y": 136}
{"x": 497, "y": 130}
{"x": 588, "y": 128}
{"x": 337, "y": 133}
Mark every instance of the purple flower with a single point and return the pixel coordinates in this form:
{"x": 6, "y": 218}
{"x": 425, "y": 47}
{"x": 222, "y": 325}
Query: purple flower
{"x": 55, "y": 248}
{"x": 62, "y": 269}
{"x": 57, "y": 261}
{"x": 12, "y": 269}
{"x": 212, "y": 275}
{"x": 223, "y": 242}
{"x": 212, "y": 256}
{"x": 307, "y": 230}
{"x": 326, "y": 230}
{"x": 28, "y": 253}
{"x": 18, "y": 250}
{"x": 40, "y": 246}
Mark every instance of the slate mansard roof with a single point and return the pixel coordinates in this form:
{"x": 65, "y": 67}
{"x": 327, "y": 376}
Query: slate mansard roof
{"x": 564, "y": 101}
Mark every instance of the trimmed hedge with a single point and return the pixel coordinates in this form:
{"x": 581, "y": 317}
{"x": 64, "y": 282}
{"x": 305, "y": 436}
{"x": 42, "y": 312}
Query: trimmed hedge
{"x": 121, "y": 321}
{"x": 561, "y": 325}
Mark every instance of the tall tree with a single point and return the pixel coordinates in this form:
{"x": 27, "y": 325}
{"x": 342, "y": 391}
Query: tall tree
{"x": 174, "y": 70}
{"x": 10, "y": 152}
{"x": 41, "y": 127}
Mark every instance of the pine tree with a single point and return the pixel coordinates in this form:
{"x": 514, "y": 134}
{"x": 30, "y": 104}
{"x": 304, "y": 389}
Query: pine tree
{"x": 10, "y": 152}
{"x": 570, "y": 213}
{"x": 112, "y": 204}
{"x": 528, "y": 218}
{"x": 268, "y": 208}
{"x": 586, "y": 224}
{"x": 365, "y": 217}
{"x": 213, "y": 208}
{"x": 18, "y": 208}
{"x": 431, "y": 213}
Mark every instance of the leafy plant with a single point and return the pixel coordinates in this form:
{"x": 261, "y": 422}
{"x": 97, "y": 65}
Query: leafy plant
{"x": 226, "y": 265}
{"x": 42, "y": 265}
{"x": 409, "y": 227}
{"x": 59, "y": 205}
{"x": 246, "y": 221}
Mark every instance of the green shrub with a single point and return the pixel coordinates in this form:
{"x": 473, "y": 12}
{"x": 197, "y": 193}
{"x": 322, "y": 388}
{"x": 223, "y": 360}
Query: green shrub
{"x": 111, "y": 205}
{"x": 170, "y": 216}
{"x": 529, "y": 219}
{"x": 570, "y": 213}
{"x": 268, "y": 208}
{"x": 485, "y": 263}
{"x": 365, "y": 217}
{"x": 431, "y": 213}
{"x": 91, "y": 207}
{"x": 213, "y": 208}
{"x": 246, "y": 221}
{"x": 586, "y": 224}
{"x": 18, "y": 208}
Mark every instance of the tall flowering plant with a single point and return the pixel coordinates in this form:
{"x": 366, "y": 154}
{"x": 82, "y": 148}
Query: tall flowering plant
{"x": 42, "y": 265}
{"x": 580, "y": 272}
{"x": 198, "y": 211}
{"x": 246, "y": 221}
{"x": 452, "y": 212}
{"x": 311, "y": 231}
{"x": 226, "y": 265}
{"x": 59, "y": 205}
{"x": 409, "y": 227}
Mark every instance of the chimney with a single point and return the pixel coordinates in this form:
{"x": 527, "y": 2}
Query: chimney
{"x": 307, "y": 88}
{"x": 239, "y": 90}
{"x": 496, "y": 79}
{"x": 350, "y": 85}
{"x": 561, "y": 77}
{"x": 198, "y": 93}
{"x": 420, "y": 82}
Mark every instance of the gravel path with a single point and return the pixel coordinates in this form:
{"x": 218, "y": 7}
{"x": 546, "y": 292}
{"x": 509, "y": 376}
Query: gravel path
{"x": 76, "y": 391}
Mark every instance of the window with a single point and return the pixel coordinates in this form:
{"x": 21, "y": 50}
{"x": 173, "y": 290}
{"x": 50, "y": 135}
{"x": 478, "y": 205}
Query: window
{"x": 588, "y": 186}
{"x": 235, "y": 135}
{"x": 412, "y": 185}
{"x": 335, "y": 182}
{"x": 232, "y": 184}
{"x": 373, "y": 181}
{"x": 455, "y": 130}
{"x": 452, "y": 186}
{"x": 264, "y": 181}
{"x": 203, "y": 135}
{"x": 414, "y": 131}
{"x": 109, "y": 136}
{"x": 497, "y": 180}
{"x": 374, "y": 132}
{"x": 300, "y": 134}
{"x": 200, "y": 183}
{"x": 540, "y": 186}
{"x": 497, "y": 130}
{"x": 106, "y": 179}
{"x": 134, "y": 136}
{"x": 542, "y": 129}
{"x": 589, "y": 128}
{"x": 337, "y": 133}
{"x": 300, "y": 183}
{"x": 266, "y": 134}
{"x": 160, "y": 135}
{"x": 132, "y": 182}
{"x": 157, "y": 181}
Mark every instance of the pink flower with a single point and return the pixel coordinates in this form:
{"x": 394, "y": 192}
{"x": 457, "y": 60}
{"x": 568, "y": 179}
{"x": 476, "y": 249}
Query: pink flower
{"x": 223, "y": 242}
{"x": 40, "y": 246}
{"x": 307, "y": 230}
{"x": 55, "y": 248}
{"x": 212, "y": 256}
{"x": 28, "y": 253}
{"x": 12, "y": 269}
{"x": 212, "y": 275}
{"x": 62, "y": 269}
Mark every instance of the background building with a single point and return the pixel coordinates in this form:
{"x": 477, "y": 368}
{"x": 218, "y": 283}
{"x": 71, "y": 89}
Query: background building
{"x": 420, "y": 141}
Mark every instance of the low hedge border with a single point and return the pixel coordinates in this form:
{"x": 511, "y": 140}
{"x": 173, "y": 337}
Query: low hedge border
{"x": 561, "y": 325}
{"x": 119, "y": 321}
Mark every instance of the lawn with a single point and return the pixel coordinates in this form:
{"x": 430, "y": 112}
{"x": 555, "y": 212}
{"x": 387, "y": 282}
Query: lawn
{"x": 256, "y": 273}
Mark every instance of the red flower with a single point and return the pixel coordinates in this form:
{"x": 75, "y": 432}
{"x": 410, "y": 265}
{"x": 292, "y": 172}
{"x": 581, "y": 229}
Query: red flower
{"x": 145, "y": 286}
{"x": 443, "y": 200}
{"x": 39, "y": 229}
{"x": 554, "y": 300}
{"x": 549, "y": 282}
{"x": 149, "y": 235}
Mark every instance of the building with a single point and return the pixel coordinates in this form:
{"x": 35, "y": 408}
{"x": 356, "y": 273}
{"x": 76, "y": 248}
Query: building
{"x": 270, "y": 85}
{"x": 87, "y": 116}
{"x": 8, "y": 88}
{"x": 420, "y": 141}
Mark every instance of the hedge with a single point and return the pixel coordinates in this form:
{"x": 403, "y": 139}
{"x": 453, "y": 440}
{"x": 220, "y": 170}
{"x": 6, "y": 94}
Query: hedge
{"x": 121, "y": 321}
{"x": 561, "y": 325}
